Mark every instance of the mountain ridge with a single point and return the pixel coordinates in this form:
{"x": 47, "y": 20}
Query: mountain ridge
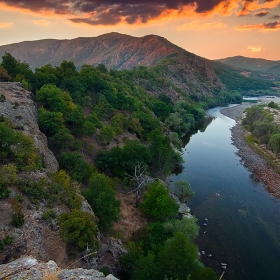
{"x": 114, "y": 50}
{"x": 255, "y": 64}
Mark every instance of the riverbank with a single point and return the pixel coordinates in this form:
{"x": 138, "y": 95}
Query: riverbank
{"x": 261, "y": 169}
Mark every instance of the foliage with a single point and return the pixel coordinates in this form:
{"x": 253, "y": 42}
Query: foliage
{"x": 102, "y": 199}
{"x": 17, "y": 214}
{"x": 158, "y": 204}
{"x": 78, "y": 229}
{"x": 49, "y": 214}
{"x": 19, "y": 148}
{"x": 50, "y": 123}
{"x": 187, "y": 226}
{"x": 183, "y": 190}
{"x": 7, "y": 240}
{"x": 75, "y": 166}
{"x": 8, "y": 176}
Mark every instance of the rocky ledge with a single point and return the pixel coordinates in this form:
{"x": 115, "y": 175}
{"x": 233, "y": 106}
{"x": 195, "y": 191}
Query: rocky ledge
{"x": 32, "y": 269}
{"x": 17, "y": 104}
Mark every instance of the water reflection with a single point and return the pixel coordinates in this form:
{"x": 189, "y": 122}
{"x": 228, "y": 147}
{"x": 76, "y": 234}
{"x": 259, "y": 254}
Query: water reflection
{"x": 243, "y": 228}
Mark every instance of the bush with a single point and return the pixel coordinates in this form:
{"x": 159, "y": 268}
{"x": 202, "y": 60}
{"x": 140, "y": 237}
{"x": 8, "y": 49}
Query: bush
{"x": 183, "y": 190}
{"x": 158, "y": 204}
{"x": 17, "y": 214}
{"x": 78, "y": 229}
{"x": 102, "y": 199}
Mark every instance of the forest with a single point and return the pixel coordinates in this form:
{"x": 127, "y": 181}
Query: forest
{"x": 109, "y": 130}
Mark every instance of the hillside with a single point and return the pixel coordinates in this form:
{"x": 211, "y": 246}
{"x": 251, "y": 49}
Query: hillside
{"x": 255, "y": 64}
{"x": 114, "y": 50}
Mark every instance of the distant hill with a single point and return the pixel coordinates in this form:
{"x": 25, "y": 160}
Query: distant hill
{"x": 255, "y": 64}
{"x": 114, "y": 50}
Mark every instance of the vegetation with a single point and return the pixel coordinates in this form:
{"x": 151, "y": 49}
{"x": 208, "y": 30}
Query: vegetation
{"x": 260, "y": 122}
{"x": 132, "y": 122}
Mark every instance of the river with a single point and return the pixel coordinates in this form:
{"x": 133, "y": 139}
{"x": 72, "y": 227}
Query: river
{"x": 243, "y": 228}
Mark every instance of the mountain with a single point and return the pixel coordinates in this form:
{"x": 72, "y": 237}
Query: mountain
{"x": 114, "y": 50}
{"x": 255, "y": 64}
{"x": 188, "y": 72}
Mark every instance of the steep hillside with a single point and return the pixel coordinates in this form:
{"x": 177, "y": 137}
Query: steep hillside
{"x": 114, "y": 50}
{"x": 255, "y": 64}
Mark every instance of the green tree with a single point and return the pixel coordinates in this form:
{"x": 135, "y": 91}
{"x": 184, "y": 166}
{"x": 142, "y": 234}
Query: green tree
{"x": 50, "y": 122}
{"x": 158, "y": 204}
{"x": 106, "y": 134}
{"x": 75, "y": 166}
{"x": 187, "y": 226}
{"x": 183, "y": 190}
{"x": 274, "y": 143}
{"x": 179, "y": 258}
{"x": 54, "y": 99}
{"x": 79, "y": 229}
{"x": 102, "y": 199}
{"x": 17, "y": 214}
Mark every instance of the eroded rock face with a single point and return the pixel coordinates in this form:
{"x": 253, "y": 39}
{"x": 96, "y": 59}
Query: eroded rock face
{"x": 30, "y": 268}
{"x": 18, "y": 105}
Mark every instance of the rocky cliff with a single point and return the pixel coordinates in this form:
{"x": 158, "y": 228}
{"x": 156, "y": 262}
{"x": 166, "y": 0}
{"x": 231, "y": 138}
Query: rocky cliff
{"x": 18, "y": 105}
{"x": 30, "y": 268}
{"x": 37, "y": 237}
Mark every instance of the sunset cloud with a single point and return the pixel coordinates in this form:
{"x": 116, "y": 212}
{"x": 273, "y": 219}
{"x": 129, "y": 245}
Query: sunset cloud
{"x": 6, "y": 24}
{"x": 111, "y": 12}
{"x": 261, "y": 26}
{"x": 261, "y": 14}
{"x": 198, "y": 25}
{"x": 255, "y": 48}
{"x": 250, "y": 6}
{"x": 42, "y": 22}
{"x": 275, "y": 17}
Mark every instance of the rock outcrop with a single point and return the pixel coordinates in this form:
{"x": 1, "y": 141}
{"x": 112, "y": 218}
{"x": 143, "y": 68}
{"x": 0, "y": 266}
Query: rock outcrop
{"x": 30, "y": 268}
{"x": 18, "y": 105}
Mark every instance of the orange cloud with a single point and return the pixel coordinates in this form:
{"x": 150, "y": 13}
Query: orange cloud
{"x": 255, "y": 48}
{"x": 42, "y": 22}
{"x": 198, "y": 25}
{"x": 261, "y": 26}
{"x": 249, "y": 6}
{"x": 6, "y": 24}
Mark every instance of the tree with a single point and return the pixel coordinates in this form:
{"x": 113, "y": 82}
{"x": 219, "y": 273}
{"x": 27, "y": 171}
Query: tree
{"x": 50, "y": 122}
{"x": 179, "y": 258}
{"x": 183, "y": 190}
{"x": 17, "y": 214}
{"x": 4, "y": 76}
{"x": 102, "y": 199}
{"x": 187, "y": 226}
{"x": 158, "y": 204}
{"x": 141, "y": 180}
{"x": 10, "y": 64}
{"x": 78, "y": 229}
{"x": 75, "y": 166}
{"x": 54, "y": 99}
{"x": 274, "y": 143}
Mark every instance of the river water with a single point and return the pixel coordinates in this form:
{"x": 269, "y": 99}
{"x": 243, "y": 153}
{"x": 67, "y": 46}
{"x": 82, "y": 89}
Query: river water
{"x": 243, "y": 228}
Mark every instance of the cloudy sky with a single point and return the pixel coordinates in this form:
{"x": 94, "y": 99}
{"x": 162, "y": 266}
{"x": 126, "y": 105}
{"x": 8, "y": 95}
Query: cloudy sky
{"x": 209, "y": 28}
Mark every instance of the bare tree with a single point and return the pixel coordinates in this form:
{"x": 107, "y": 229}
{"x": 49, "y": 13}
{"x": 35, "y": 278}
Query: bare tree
{"x": 142, "y": 180}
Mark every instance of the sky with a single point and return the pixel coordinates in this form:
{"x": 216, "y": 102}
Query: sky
{"x": 209, "y": 28}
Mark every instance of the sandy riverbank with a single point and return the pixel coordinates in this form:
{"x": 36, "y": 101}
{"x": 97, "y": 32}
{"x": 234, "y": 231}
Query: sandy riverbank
{"x": 262, "y": 171}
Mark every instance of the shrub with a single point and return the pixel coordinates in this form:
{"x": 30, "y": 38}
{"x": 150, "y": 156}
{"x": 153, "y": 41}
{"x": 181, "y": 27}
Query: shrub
{"x": 158, "y": 204}
{"x": 78, "y": 229}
